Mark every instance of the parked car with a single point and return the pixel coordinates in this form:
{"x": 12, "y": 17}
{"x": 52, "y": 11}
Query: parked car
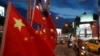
{"x": 93, "y": 45}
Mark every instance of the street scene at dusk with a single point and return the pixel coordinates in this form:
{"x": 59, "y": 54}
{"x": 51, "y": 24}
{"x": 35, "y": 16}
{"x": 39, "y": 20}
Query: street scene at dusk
{"x": 49, "y": 28}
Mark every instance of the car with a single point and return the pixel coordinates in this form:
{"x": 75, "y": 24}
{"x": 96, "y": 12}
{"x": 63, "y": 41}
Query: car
{"x": 93, "y": 45}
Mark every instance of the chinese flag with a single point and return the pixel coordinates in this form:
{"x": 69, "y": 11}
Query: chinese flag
{"x": 47, "y": 22}
{"x": 20, "y": 39}
{"x": 52, "y": 26}
{"x": 41, "y": 32}
{"x": 38, "y": 17}
{"x": 48, "y": 25}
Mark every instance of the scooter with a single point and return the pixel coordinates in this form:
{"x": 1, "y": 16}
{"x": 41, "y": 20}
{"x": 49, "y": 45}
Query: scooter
{"x": 70, "y": 44}
{"x": 62, "y": 41}
{"x": 83, "y": 51}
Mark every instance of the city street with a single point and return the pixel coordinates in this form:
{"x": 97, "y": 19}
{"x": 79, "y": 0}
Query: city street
{"x": 36, "y": 27}
{"x": 63, "y": 50}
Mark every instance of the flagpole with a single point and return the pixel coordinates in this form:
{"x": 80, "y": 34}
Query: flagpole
{"x": 29, "y": 11}
{"x": 33, "y": 12}
{"x": 47, "y": 4}
{"x": 5, "y": 28}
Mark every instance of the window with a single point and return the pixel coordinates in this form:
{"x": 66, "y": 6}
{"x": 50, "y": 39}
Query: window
{"x": 2, "y": 11}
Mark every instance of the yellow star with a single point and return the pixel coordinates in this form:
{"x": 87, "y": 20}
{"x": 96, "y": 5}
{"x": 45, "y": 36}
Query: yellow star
{"x": 18, "y": 23}
{"x": 41, "y": 32}
{"x": 44, "y": 18}
{"x": 26, "y": 39}
{"x": 51, "y": 30}
{"x": 36, "y": 31}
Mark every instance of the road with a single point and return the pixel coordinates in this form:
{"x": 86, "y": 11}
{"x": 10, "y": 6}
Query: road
{"x": 63, "y": 50}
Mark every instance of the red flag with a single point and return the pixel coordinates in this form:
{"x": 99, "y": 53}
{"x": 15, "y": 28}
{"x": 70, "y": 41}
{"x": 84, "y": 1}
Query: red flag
{"x": 41, "y": 32}
{"x": 47, "y": 24}
{"x": 38, "y": 17}
{"x": 20, "y": 39}
{"x": 52, "y": 26}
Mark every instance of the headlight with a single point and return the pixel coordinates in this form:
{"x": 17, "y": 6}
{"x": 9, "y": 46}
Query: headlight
{"x": 83, "y": 47}
{"x": 70, "y": 44}
{"x": 83, "y": 53}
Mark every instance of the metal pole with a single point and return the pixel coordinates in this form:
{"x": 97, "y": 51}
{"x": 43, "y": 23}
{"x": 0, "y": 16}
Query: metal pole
{"x": 29, "y": 11}
{"x": 47, "y": 4}
{"x": 33, "y": 12}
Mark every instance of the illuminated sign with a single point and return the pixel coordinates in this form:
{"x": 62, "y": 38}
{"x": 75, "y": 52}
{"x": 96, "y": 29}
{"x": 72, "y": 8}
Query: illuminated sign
{"x": 86, "y": 18}
{"x": 2, "y": 11}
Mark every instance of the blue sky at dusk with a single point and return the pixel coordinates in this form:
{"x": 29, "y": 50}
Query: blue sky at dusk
{"x": 67, "y": 10}
{"x": 73, "y": 8}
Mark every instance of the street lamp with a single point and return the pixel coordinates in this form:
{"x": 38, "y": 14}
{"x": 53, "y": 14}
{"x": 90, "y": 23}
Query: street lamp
{"x": 45, "y": 1}
{"x": 66, "y": 25}
{"x": 57, "y": 17}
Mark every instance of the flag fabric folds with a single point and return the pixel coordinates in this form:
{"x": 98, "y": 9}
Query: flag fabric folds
{"x": 41, "y": 32}
{"x": 20, "y": 39}
{"x": 47, "y": 23}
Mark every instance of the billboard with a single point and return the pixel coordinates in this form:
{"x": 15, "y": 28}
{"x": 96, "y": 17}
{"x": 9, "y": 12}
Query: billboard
{"x": 86, "y": 18}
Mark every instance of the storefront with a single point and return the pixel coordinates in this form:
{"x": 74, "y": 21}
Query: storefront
{"x": 87, "y": 28}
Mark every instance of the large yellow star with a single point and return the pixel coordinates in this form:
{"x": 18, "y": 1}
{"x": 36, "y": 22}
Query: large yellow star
{"x": 18, "y": 23}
